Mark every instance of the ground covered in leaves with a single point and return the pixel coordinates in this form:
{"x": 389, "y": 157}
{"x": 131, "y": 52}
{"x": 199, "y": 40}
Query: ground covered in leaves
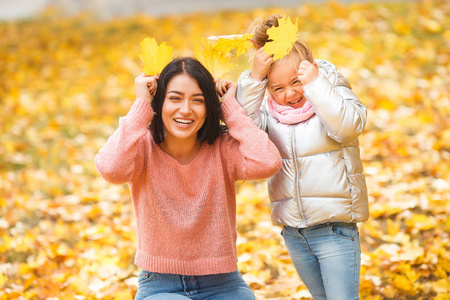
{"x": 67, "y": 234}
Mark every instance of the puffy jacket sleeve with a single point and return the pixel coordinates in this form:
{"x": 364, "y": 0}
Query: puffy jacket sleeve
{"x": 121, "y": 158}
{"x": 250, "y": 95}
{"x": 247, "y": 150}
{"x": 334, "y": 102}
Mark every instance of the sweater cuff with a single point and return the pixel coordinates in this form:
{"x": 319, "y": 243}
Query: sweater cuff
{"x": 230, "y": 105}
{"x": 142, "y": 110}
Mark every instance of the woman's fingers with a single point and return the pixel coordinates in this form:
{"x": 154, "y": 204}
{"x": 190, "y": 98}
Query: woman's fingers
{"x": 231, "y": 89}
{"x": 219, "y": 87}
{"x": 222, "y": 86}
{"x": 146, "y": 86}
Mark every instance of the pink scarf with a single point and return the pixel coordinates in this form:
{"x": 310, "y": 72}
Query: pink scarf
{"x": 289, "y": 115}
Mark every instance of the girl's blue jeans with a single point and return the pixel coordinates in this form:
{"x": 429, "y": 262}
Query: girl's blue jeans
{"x": 328, "y": 258}
{"x": 161, "y": 286}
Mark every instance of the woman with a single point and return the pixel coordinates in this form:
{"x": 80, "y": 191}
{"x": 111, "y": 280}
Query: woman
{"x": 182, "y": 173}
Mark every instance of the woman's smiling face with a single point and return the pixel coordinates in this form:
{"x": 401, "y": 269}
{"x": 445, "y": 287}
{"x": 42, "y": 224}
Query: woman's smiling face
{"x": 184, "y": 109}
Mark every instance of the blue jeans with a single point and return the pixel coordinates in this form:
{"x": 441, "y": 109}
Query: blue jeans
{"x": 328, "y": 258}
{"x": 162, "y": 286}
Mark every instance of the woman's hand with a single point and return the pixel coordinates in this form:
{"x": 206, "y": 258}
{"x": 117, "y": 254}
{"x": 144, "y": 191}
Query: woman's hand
{"x": 261, "y": 65}
{"x": 307, "y": 72}
{"x": 146, "y": 87}
{"x": 226, "y": 88}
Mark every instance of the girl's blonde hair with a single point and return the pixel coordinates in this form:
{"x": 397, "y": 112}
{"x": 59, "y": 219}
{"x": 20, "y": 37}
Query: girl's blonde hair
{"x": 260, "y": 37}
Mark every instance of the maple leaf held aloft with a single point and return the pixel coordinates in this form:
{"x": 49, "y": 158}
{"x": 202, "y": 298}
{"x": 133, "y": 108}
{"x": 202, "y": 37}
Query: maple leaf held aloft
{"x": 283, "y": 38}
{"x": 217, "y": 63}
{"x": 240, "y": 42}
{"x": 154, "y": 57}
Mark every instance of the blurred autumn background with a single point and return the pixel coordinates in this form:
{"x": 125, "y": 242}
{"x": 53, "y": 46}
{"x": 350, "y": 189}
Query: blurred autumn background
{"x": 66, "y": 79}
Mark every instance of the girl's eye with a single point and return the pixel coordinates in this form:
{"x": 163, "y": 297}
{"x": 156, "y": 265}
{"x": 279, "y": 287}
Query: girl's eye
{"x": 278, "y": 89}
{"x": 174, "y": 98}
{"x": 296, "y": 81}
{"x": 199, "y": 100}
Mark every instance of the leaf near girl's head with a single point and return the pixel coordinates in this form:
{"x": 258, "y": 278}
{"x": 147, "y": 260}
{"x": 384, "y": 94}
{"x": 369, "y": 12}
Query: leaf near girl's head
{"x": 216, "y": 62}
{"x": 239, "y": 42}
{"x": 283, "y": 38}
{"x": 154, "y": 57}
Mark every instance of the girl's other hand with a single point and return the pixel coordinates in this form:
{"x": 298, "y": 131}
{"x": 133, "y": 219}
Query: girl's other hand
{"x": 307, "y": 72}
{"x": 146, "y": 86}
{"x": 261, "y": 65}
{"x": 226, "y": 88}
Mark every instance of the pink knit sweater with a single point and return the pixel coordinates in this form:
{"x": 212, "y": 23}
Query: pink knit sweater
{"x": 186, "y": 214}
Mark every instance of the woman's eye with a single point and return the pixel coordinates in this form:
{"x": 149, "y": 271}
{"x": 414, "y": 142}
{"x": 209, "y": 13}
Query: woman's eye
{"x": 174, "y": 98}
{"x": 199, "y": 100}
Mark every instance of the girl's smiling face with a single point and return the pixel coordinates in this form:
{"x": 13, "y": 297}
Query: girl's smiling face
{"x": 283, "y": 83}
{"x": 184, "y": 109}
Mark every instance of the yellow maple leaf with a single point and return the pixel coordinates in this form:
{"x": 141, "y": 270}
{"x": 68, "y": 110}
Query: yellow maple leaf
{"x": 154, "y": 57}
{"x": 240, "y": 42}
{"x": 217, "y": 63}
{"x": 283, "y": 38}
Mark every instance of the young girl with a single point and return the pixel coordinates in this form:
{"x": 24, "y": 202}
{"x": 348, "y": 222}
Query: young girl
{"x": 182, "y": 173}
{"x": 314, "y": 119}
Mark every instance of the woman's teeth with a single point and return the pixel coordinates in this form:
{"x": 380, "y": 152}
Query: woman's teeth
{"x": 181, "y": 121}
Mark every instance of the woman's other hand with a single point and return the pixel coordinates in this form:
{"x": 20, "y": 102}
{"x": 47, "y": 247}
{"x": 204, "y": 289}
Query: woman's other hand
{"x": 146, "y": 86}
{"x": 226, "y": 88}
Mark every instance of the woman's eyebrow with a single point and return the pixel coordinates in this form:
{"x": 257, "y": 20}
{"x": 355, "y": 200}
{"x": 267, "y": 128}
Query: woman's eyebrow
{"x": 175, "y": 92}
{"x": 181, "y": 93}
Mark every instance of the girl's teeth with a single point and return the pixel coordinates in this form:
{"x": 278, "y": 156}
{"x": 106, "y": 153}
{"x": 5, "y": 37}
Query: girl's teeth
{"x": 296, "y": 101}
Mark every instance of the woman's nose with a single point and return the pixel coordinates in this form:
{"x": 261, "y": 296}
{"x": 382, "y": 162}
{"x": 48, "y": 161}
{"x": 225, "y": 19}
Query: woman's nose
{"x": 185, "y": 107}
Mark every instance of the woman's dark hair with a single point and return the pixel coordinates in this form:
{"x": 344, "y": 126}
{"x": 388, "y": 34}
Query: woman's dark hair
{"x": 212, "y": 128}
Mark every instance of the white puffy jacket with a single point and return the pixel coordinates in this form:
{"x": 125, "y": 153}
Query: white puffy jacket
{"x": 321, "y": 177}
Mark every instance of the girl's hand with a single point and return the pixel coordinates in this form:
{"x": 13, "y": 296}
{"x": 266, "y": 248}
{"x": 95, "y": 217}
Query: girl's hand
{"x": 146, "y": 87}
{"x": 261, "y": 65}
{"x": 226, "y": 88}
{"x": 307, "y": 72}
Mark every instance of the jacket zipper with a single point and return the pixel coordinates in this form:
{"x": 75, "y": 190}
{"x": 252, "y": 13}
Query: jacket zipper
{"x": 347, "y": 175}
{"x": 296, "y": 187}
